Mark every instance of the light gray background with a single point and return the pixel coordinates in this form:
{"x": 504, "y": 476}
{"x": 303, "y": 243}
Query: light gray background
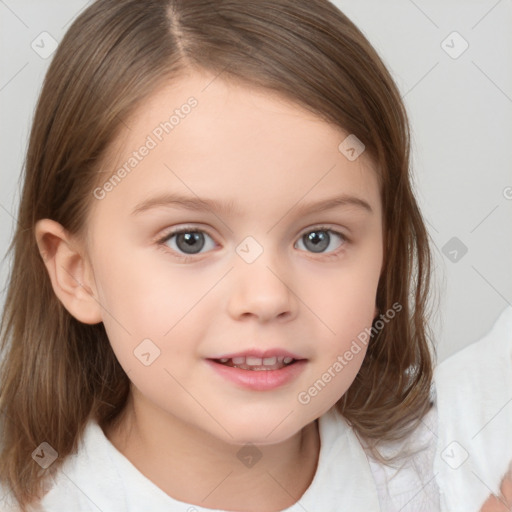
{"x": 461, "y": 119}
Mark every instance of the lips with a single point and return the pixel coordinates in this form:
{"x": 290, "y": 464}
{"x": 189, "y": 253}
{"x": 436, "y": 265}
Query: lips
{"x": 258, "y": 377}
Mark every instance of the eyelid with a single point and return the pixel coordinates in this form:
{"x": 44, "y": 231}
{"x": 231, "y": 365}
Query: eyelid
{"x": 177, "y": 230}
{"x": 323, "y": 227}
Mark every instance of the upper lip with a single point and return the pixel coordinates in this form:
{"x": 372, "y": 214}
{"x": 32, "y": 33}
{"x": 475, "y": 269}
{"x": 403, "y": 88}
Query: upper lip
{"x": 273, "y": 352}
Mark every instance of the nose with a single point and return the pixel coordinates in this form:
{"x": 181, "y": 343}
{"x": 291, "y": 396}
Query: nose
{"x": 260, "y": 290}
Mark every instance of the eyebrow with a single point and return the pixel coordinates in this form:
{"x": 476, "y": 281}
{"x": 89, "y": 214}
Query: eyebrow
{"x": 229, "y": 208}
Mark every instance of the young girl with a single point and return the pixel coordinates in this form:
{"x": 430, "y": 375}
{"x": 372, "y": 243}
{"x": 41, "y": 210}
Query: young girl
{"x": 284, "y": 364}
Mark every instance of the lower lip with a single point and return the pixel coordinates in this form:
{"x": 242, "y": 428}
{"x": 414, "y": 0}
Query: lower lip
{"x": 262, "y": 380}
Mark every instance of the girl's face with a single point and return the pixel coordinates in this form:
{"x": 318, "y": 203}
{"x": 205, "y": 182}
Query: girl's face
{"x": 280, "y": 256}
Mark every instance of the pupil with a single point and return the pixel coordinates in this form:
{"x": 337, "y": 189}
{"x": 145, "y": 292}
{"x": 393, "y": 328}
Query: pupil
{"x": 190, "y": 239}
{"x": 319, "y": 239}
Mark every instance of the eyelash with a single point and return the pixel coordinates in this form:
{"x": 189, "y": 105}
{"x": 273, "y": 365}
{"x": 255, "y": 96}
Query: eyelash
{"x": 185, "y": 258}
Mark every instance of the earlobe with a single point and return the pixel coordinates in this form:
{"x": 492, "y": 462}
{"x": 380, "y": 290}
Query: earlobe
{"x": 69, "y": 271}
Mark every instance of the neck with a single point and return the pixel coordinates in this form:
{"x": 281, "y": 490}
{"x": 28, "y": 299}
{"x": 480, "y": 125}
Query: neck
{"x": 192, "y": 466}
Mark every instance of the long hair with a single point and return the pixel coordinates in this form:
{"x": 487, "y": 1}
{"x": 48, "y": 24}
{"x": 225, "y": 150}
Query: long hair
{"x": 57, "y": 373}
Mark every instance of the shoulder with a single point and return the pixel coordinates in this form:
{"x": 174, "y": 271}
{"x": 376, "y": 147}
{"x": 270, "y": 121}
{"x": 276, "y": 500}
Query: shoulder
{"x": 474, "y": 397}
{"x": 407, "y": 483}
{"x": 87, "y": 480}
{"x": 99, "y": 477}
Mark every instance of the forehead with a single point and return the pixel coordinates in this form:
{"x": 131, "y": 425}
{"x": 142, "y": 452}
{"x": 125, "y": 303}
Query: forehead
{"x": 209, "y": 137}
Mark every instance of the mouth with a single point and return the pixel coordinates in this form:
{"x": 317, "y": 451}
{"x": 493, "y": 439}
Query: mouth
{"x": 257, "y": 364}
{"x": 260, "y": 371}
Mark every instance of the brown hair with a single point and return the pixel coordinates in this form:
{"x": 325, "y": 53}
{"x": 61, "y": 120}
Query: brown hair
{"x": 57, "y": 372}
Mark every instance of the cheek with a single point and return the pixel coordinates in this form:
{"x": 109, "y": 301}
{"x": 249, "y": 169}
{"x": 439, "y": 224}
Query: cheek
{"x": 344, "y": 304}
{"x": 344, "y": 300}
{"x": 144, "y": 301}
{"x": 144, "y": 297}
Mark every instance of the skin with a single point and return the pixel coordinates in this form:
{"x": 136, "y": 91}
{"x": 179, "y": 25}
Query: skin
{"x": 502, "y": 503}
{"x": 184, "y": 423}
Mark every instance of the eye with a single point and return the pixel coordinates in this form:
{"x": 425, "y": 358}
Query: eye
{"x": 188, "y": 241}
{"x": 320, "y": 238}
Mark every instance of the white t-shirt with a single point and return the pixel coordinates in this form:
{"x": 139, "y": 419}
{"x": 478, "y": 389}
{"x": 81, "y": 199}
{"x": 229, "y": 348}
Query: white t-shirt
{"x": 100, "y": 478}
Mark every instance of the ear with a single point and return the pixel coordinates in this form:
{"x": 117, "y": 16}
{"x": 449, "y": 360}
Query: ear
{"x": 70, "y": 272}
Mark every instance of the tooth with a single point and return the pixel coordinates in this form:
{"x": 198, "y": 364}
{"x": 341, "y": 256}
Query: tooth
{"x": 238, "y": 360}
{"x": 253, "y": 361}
{"x": 224, "y": 360}
{"x": 287, "y": 360}
{"x": 269, "y": 361}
